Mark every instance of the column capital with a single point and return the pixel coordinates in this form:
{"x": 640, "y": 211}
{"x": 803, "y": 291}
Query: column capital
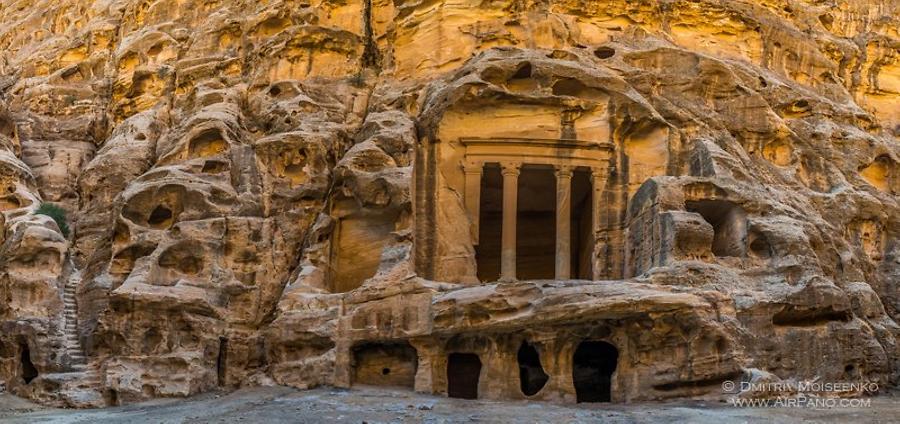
{"x": 473, "y": 168}
{"x": 600, "y": 172}
{"x": 510, "y": 168}
{"x": 563, "y": 171}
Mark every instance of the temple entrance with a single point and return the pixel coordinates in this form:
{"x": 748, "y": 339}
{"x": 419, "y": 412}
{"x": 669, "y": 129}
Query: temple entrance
{"x": 538, "y": 217}
{"x": 593, "y": 366}
{"x": 463, "y": 372}
{"x": 536, "y": 224}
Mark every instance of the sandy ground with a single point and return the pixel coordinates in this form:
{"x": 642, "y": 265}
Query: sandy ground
{"x": 367, "y": 405}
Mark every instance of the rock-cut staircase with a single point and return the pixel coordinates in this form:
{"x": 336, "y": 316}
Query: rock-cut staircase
{"x": 75, "y": 353}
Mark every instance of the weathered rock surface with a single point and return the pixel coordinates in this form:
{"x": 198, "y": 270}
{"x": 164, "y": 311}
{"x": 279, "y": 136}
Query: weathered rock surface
{"x": 314, "y": 193}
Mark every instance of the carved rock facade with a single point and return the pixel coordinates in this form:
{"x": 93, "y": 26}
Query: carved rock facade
{"x": 551, "y": 200}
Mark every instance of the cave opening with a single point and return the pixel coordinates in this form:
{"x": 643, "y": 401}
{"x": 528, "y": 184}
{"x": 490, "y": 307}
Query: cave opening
{"x": 593, "y": 365}
{"x": 161, "y": 216}
{"x": 390, "y": 365}
{"x": 729, "y": 222}
{"x": 532, "y": 377}
{"x": 29, "y": 371}
{"x": 222, "y": 362}
{"x": 463, "y": 373}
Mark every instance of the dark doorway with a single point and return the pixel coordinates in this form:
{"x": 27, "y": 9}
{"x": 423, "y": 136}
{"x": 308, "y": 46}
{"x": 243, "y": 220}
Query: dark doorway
{"x": 487, "y": 252}
{"x": 593, "y": 366}
{"x": 582, "y": 221}
{"x": 222, "y": 361}
{"x": 463, "y": 371}
{"x": 29, "y": 372}
{"x": 536, "y": 224}
{"x": 531, "y": 374}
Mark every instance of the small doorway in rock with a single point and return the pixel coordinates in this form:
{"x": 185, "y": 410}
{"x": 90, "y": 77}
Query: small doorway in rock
{"x": 463, "y": 372}
{"x": 593, "y": 366}
{"x": 222, "y": 361}
{"x": 29, "y": 372}
{"x": 532, "y": 377}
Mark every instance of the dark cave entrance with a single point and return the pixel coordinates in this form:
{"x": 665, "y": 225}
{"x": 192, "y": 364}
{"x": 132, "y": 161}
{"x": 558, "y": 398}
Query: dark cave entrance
{"x": 463, "y": 372}
{"x": 29, "y": 372}
{"x": 593, "y": 366}
{"x": 222, "y": 361}
{"x": 532, "y": 377}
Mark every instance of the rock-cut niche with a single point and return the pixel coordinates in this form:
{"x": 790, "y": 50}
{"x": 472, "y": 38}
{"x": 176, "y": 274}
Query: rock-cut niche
{"x": 729, "y": 222}
{"x": 392, "y": 365}
{"x": 357, "y": 242}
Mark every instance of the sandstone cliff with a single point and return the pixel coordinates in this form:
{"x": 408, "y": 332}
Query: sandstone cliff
{"x": 281, "y": 192}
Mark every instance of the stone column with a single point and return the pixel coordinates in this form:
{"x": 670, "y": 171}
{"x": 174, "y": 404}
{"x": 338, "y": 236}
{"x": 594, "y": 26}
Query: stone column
{"x": 473, "y": 197}
{"x": 598, "y": 227}
{"x": 510, "y": 173}
{"x": 563, "y": 222}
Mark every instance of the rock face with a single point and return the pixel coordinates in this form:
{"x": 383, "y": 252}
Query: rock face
{"x": 552, "y": 200}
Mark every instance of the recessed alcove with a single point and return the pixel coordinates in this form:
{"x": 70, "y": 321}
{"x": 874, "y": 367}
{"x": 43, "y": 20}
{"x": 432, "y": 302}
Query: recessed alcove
{"x": 392, "y": 365}
{"x": 729, "y": 222}
{"x": 356, "y": 245}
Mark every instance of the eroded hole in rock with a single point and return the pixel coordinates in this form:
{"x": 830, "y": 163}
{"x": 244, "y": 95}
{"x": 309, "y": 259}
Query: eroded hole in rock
{"x": 222, "y": 362}
{"x": 9, "y": 202}
{"x": 392, "y": 365}
{"x": 214, "y": 167}
{"x": 463, "y": 373}
{"x": 605, "y": 52}
{"x": 160, "y": 217}
{"x": 29, "y": 372}
{"x": 790, "y": 316}
{"x": 186, "y": 258}
{"x": 123, "y": 261}
{"x": 524, "y": 71}
{"x": 593, "y": 365}
{"x": 155, "y": 50}
{"x": 729, "y": 222}
{"x": 357, "y": 243}
{"x": 532, "y": 377}
{"x": 879, "y": 173}
{"x": 208, "y": 143}
{"x": 759, "y": 246}
{"x": 152, "y": 340}
{"x": 797, "y": 109}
